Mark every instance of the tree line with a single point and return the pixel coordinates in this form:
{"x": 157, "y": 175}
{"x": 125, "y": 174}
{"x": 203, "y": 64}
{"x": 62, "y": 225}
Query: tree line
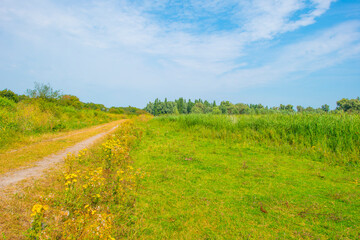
{"x": 181, "y": 106}
{"x": 45, "y": 93}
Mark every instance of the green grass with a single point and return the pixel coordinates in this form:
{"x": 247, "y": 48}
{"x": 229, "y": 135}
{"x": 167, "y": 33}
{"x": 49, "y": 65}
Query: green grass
{"x": 334, "y": 138}
{"x": 20, "y": 121}
{"x": 214, "y": 177}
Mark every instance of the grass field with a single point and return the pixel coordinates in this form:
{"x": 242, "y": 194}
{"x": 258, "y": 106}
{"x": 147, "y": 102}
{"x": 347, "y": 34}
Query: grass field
{"x": 252, "y": 177}
{"x": 201, "y": 177}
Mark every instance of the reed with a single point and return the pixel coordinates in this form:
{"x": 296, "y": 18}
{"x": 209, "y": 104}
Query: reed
{"x": 334, "y": 137}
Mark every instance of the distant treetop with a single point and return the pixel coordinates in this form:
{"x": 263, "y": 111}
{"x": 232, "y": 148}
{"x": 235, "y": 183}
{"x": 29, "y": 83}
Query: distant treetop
{"x": 44, "y": 91}
{"x": 181, "y": 106}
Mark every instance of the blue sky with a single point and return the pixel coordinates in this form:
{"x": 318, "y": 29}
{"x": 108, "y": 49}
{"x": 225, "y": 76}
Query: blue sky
{"x": 129, "y": 52}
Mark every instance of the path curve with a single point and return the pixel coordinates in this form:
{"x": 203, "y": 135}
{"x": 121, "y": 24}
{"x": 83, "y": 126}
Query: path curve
{"x": 49, "y": 161}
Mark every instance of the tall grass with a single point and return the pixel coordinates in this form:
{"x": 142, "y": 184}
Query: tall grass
{"x": 28, "y": 118}
{"x": 335, "y": 137}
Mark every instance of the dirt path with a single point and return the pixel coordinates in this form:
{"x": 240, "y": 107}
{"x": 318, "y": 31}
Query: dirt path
{"x": 49, "y": 140}
{"x": 48, "y": 162}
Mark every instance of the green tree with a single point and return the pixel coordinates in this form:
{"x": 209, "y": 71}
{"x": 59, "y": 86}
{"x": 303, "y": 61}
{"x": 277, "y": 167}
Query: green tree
{"x": 174, "y": 109}
{"x": 227, "y": 107}
{"x": 180, "y": 105}
{"x": 43, "y": 91}
{"x": 325, "y": 108}
{"x": 289, "y": 108}
{"x": 216, "y": 110}
{"x": 6, "y": 93}
{"x": 95, "y": 106}
{"x": 156, "y": 107}
{"x": 70, "y": 100}
{"x": 299, "y": 108}
{"x": 198, "y": 108}
{"x": 190, "y": 105}
{"x": 150, "y": 108}
{"x": 207, "y": 107}
{"x": 352, "y": 105}
{"x": 242, "y": 108}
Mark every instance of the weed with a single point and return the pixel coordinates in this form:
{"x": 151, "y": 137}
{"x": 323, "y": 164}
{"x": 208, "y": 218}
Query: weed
{"x": 98, "y": 189}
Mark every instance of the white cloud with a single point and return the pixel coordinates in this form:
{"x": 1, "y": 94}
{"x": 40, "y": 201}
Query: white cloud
{"x": 131, "y": 28}
{"x": 264, "y": 19}
{"x": 111, "y": 23}
{"x": 322, "y": 50}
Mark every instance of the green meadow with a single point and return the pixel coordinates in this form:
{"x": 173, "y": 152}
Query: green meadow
{"x": 281, "y": 176}
{"x": 276, "y": 175}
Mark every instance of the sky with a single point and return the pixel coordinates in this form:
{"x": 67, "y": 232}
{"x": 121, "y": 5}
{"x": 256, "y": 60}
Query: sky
{"x": 129, "y": 52}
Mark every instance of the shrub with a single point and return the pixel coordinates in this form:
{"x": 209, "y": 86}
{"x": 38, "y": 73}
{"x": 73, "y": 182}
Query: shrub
{"x": 6, "y": 103}
{"x": 6, "y": 93}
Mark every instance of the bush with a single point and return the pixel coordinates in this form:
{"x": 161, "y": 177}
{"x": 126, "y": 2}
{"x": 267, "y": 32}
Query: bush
{"x": 6, "y": 103}
{"x": 6, "y": 93}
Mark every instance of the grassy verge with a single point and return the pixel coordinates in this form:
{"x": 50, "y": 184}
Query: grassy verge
{"x": 211, "y": 182}
{"x": 42, "y": 146}
{"x": 20, "y": 122}
{"x": 90, "y": 197}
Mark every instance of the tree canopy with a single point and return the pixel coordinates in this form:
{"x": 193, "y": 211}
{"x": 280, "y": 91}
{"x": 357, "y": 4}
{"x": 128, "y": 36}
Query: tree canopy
{"x": 199, "y": 106}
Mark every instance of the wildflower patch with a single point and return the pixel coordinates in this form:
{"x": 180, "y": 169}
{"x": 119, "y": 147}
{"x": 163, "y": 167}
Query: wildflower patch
{"x": 97, "y": 189}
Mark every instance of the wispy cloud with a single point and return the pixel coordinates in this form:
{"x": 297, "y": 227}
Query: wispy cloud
{"x": 324, "y": 49}
{"x": 266, "y": 19}
{"x": 180, "y": 35}
{"x": 108, "y": 24}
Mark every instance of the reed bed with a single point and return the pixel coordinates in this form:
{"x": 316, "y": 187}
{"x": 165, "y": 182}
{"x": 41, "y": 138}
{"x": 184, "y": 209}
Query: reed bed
{"x": 333, "y": 137}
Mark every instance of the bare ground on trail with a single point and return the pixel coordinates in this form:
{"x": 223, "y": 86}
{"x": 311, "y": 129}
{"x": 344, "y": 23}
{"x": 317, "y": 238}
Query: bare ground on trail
{"x": 48, "y": 162}
{"x": 49, "y": 140}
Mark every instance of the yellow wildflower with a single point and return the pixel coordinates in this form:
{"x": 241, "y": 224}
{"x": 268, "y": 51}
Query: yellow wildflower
{"x": 38, "y": 208}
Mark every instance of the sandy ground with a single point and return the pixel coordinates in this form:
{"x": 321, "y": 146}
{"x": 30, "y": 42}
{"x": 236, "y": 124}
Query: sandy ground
{"x": 47, "y": 162}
